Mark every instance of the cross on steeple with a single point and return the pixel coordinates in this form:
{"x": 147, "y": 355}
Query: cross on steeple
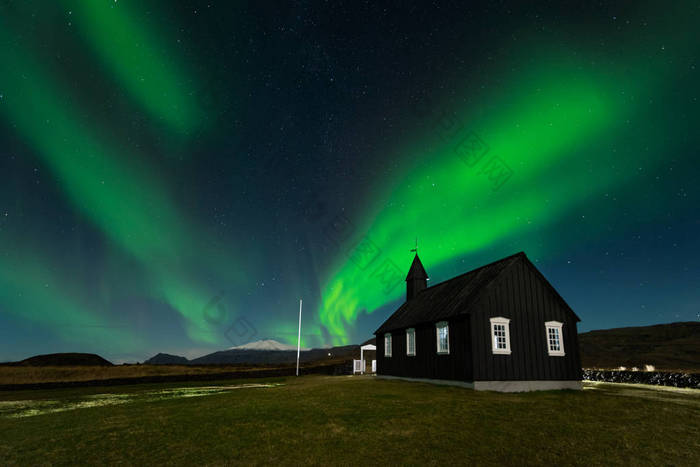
{"x": 415, "y": 250}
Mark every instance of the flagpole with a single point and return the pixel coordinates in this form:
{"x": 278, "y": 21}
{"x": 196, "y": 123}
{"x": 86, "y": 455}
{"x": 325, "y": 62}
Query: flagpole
{"x": 299, "y": 338}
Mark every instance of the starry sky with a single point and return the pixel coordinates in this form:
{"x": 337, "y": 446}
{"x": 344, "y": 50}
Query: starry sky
{"x": 177, "y": 175}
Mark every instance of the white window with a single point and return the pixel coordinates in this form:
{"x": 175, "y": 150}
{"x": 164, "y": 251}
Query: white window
{"x": 387, "y": 344}
{"x": 443, "y": 337}
{"x": 555, "y": 338}
{"x": 500, "y": 335}
{"x": 410, "y": 342}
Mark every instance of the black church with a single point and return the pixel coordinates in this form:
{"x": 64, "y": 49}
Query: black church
{"x": 500, "y": 327}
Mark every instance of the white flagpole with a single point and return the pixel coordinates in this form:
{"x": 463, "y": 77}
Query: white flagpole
{"x": 299, "y": 338}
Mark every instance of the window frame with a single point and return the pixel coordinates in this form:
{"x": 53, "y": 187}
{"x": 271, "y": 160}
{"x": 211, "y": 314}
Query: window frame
{"x": 500, "y": 320}
{"x": 387, "y": 347}
{"x": 558, "y": 326}
{"x": 410, "y": 332}
{"x": 439, "y": 325}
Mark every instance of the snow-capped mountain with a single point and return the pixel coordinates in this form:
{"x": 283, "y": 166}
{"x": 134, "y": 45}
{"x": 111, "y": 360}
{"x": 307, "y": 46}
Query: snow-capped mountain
{"x": 264, "y": 352}
{"x": 266, "y": 344}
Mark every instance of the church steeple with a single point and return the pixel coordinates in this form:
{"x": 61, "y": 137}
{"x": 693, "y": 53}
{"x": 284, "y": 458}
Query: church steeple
{"x": 417, "y": 278}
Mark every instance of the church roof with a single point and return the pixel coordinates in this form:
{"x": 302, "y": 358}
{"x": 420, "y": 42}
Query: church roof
{"x": 449, "y": 298}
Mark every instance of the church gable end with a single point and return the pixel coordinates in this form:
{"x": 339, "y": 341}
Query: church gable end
{"x": 524, "y": 297}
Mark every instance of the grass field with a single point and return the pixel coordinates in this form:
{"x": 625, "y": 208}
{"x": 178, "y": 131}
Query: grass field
{"x": 347, "y": 420}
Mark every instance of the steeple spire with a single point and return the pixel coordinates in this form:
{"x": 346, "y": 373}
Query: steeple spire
{"x": 417, "y": 278}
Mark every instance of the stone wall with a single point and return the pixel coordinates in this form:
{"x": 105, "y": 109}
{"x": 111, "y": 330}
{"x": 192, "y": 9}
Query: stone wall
{"x": 679, "y": 380}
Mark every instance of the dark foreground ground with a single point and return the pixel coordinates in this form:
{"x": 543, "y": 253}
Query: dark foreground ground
{"x": 347, "y": 420}
{"x": 15, "y": 378}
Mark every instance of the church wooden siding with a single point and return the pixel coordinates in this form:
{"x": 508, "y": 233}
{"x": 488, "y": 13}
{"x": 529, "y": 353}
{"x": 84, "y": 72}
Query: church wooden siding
{"x": 522, "y": 295}
{"x": 427, "y": 363}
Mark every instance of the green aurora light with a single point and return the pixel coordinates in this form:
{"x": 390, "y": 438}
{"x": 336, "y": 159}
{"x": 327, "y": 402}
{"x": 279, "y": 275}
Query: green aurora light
{"x": 547, "y": 130}
{"x": 140, "y": 60}
{"x": 553, "y": 118}
{"x": 130, "y": 207}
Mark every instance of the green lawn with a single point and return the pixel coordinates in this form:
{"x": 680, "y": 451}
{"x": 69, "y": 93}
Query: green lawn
{"x": 347, "y": 420}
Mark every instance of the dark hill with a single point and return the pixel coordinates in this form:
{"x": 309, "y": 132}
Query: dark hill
{"x": 674, "y": 346}
{"x": 65, "y": 359}
{"x": 166, "y": 359}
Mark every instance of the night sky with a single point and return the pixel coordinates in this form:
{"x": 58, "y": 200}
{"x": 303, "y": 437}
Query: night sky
{"x": 176, "y": 176}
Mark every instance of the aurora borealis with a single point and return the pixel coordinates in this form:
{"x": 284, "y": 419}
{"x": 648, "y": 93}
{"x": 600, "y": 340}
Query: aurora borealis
{"x": 175, "y": 176}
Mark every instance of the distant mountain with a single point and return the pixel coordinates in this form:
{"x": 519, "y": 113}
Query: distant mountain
{"x": 166, "y": 359}
{"x": 64, "y": 359}
{"x": 256, "y": 356}
{"x": 267, "y": 344}
{"x": 674, "y": 346}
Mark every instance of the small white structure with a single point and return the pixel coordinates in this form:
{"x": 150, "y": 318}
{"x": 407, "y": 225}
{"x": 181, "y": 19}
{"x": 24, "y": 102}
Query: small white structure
{"x": 360, "y": 364}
